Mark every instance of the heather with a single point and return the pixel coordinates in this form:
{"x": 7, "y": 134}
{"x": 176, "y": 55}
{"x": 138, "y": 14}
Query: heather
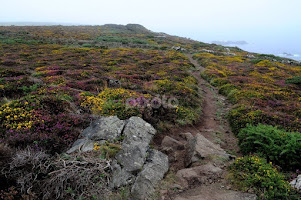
{"x": 50, "y": 89}
{"x": 55, "y": 81}
{"x": 261, "y": 89}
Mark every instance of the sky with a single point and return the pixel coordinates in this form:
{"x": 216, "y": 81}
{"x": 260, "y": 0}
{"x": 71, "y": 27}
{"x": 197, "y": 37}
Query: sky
{"x": 269, "y": 24}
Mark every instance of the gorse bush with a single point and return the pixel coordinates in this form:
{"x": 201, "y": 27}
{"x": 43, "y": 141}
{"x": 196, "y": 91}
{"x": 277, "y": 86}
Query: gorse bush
{"x": 240, "y": 116}
{"x": 112, "y": 102}
{"x": 40, "y": 121}
{"x": 252, "y": 172}
{"x": 276, "y": 145}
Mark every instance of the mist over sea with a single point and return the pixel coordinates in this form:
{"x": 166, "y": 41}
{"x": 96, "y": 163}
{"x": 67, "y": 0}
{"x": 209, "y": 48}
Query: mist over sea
{"x": 284, "y": 44}
{"x": 283, "y": 50}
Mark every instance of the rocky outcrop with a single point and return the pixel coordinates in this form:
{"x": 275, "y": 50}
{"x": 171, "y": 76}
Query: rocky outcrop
{"x": 137, "y": 136}
{"x": 136, "y": 157}
{"x": 104, "y": 128}
{"x": 153, "y": 171}
{"x": 120, "y": 176}
{"x": 101, "y": 130}
{"x": 135, "y": 164}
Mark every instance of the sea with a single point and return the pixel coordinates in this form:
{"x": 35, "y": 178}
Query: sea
{"x": 281, "y": 50}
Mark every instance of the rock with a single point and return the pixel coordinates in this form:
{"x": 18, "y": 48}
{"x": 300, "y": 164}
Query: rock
{"x": 137, "y": 136}
{"x": 250, "y": 56}
{"x": 138, "y": 130}
{"x": 113, "y": 83}
{"x": 120, "y": 177}
{"x": 178, "y": 154}
{"x": 132, "y": 156}
{"x": 153, "y": 172}
{"x": 169, "y": 142}
{"x": 229, "y": 54}
{"x": 178, "y": 48}
{"x": 82, "y": 145}
{"x": 104, "y": 128}
{"x": 296, "y": 183}
{"x": 203, "y": 148}
{"x": 208, "y": 51}
{"x": 200, "y": 174}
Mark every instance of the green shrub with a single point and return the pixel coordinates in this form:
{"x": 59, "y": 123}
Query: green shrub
{"x": 229, "y": 90}
{"x": 295, "y": 80}
{"x": 255, "y": 61}
{"x": 252, "y": 172}
{"x": 187, "y": 115}
{"x": 217, "y": 82}
{"x": 29, "y": 89}
{"x": 276, "y": 145}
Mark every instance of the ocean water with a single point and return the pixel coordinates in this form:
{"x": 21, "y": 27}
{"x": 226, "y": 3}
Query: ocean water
{"x": 278, "y": 50}
{"x": 284, "y": 44}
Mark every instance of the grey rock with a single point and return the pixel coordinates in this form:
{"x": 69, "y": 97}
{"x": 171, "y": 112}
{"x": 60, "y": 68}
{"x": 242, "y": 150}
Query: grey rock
{"x": 82, "y": 145}
{"x": 250, "y": 56}
{"x": 113, "y": 83}
{"x": 208, "y": 51}
{"x": 178, "y": 48}
{"x": 152, "y": 173}
{"x": 138, "y": 130}
{"x": 203, "y": 148}
{"x": 132, "y": 156}
{"x": 296, "y": 183}
{"x": 120, "y": 177}
{"x": 79, "y": 142}
{"x": 229, "y": 54}
{"x": 137, "y": 136}
{"x": 104, "y": 128}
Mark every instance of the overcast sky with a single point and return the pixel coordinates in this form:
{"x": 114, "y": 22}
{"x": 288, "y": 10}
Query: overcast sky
{"x": 205, "y": 20}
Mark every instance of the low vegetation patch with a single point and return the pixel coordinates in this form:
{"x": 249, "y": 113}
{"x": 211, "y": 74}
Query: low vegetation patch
{"x": 265, "y": 91}
{"x": 276, "y": 145}
{"x": 254, "y": 173}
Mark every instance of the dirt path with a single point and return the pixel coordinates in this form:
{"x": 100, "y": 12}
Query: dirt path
{"x": 213, "y": 126}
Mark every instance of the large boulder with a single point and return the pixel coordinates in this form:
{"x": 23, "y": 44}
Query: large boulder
{"x": 201, "y": 148}
{"x": 135, "y": 163}
{"x": 153, "y": 171}
{"x": 137, "y": 136}
{"x": 104, "y": 128}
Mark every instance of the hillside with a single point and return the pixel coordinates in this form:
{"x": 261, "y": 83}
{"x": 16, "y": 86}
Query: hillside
{"x": 56, "y": 80}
